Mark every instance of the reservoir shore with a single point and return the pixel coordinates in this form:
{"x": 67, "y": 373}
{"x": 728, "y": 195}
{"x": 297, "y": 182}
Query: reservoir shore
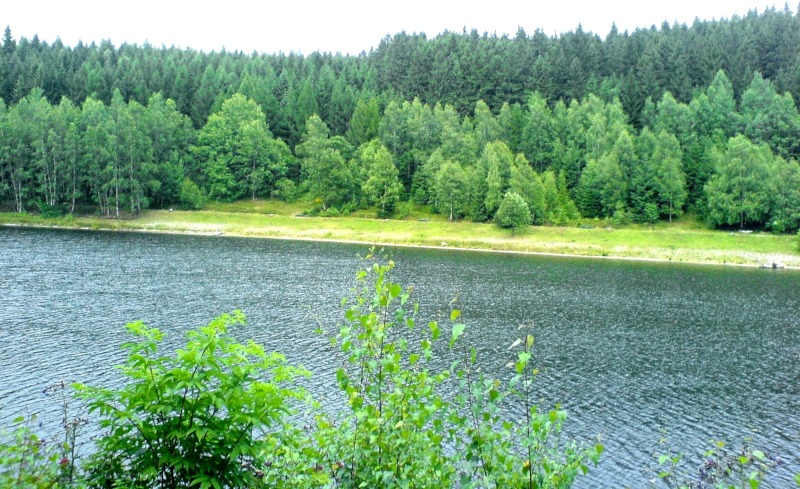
{"x": 676, "y": 243}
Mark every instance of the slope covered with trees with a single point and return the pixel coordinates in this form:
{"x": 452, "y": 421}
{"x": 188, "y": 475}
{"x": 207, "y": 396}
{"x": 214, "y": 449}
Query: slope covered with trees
{"x": 635, "y": 126}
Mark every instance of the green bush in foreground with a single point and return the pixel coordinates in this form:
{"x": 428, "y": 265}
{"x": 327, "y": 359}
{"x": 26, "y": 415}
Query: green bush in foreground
{"x": 400, "y": 431}
{"x": 206, "y": 417}
{"x": 26, "y": 460}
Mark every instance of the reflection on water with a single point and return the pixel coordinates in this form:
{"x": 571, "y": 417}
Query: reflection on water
{"x": 631, "y": 350}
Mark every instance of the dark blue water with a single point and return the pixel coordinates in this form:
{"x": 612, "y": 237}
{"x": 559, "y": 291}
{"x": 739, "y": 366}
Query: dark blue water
{"x": 634, "y": 351}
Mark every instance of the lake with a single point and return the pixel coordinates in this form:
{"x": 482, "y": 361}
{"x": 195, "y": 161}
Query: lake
{"x": 633, "y": 351}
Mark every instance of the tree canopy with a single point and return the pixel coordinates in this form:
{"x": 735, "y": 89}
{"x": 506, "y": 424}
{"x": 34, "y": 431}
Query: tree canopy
{"x": 633, "y": 123}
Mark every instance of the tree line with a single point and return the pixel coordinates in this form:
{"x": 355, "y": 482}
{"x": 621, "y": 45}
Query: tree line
{"x": 639, "y": 129}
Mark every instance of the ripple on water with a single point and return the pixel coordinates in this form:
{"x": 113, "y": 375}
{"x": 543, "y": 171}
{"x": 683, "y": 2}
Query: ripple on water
{"x": 635, "y": 352}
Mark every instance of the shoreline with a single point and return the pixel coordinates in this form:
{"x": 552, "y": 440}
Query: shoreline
{"x": 443, "y": 247}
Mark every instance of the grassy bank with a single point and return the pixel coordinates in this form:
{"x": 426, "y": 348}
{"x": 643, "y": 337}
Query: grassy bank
{"x": 682, "y": 241}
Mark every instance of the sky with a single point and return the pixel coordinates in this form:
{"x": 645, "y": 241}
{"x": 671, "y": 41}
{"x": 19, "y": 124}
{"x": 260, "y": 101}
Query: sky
{"x": 345, "y": 26}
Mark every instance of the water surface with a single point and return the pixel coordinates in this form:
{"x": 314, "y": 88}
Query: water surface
{"x": 632, "y": 350}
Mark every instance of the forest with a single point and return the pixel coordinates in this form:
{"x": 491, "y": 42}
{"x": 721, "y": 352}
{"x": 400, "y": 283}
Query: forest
{"x": 636, "y": 126}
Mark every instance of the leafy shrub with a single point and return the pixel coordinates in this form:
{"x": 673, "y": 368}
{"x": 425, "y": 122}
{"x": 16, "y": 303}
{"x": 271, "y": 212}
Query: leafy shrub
{"x": 651, "y": 214}
{"x": 401, "y": 432}
{"x": 722, "y": 468}
{"x": 209, "y": 417}
{"x": 286, "y": 190}
{"x": 513, "y": 212}
{"x": 499, "y": 453}
{"x": 620, "y": 216}
{"x": 393, "y": 433}
{"x": 330, "y": 212}
{"x": 50, "y": 211}
{"x": 26, "y": 460}
{"x": 191, "y": 197}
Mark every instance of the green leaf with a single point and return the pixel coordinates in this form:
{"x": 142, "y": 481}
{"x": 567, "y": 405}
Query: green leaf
{"x": 662, "y": 459}
{"x": 458, "y": 330}
{"x": 454, "y": 314}
{"x": 435, "y": 331}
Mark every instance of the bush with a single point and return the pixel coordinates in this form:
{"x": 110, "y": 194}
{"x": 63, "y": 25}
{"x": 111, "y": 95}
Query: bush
{"x": 400, "y": 431}
{"x": 286, "y": 190}
{"x": 620, "y": 216}
{"x": 513, "y": 212}
{"x": 50, "y": 211}
{"x": 722, "y": 467}
{"x": 210, "y": 416}
{"x": 191, "y": 197}
{"x": 26, "y": 460}
{"x": 393, "y": 434}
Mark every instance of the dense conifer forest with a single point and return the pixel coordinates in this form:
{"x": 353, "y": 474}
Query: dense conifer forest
{"x": 635, "y": 126}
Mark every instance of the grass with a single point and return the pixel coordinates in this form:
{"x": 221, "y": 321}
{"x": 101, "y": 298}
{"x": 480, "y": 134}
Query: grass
{"x": 685, "y": 240}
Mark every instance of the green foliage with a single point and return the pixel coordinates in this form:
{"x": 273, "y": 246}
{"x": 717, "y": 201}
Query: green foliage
{"x": 398, "y": 428}
{"x": 191, "y": 197}
{"x": 602, "y": 185}
{"x": 393, "y": 433}
{"x": 49, "y": 211}
{"x": 240, "y": 154}
{"x": 209, "y": 416}
{"x": 620, "y": 216}
{"x": 330, "y": 178}
{"x": 286, "y": 189}
{"x": 496, "y": 161}
{"x": 26, "y": 460}
{"x": 451, "y": 189}
{"x": 649, "y": 214}
{"x": 381, "y": 185}
{"x": 513, "y": 212}
{"x": 528, "y": 184}
{"x": 738, "y": 193}
{"x": 364, "y": 123}
{"x": 722, "y": 468}
{"x": 496, "y": 453}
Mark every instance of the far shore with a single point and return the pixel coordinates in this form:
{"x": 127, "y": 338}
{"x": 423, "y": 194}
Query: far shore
{"x": 675, "y": 244}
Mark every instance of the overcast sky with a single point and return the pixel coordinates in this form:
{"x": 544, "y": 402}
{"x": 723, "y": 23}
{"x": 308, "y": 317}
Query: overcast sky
{"x": 346, "y": 26}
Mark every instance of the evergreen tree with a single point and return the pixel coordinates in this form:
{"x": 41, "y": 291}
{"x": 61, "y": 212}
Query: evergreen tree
{"x": 770, "y": 118}
{"x": 670, "y": 183}
{"x": 538, "y": 133}
{"x": 365, "y": 121}
{"x": 601, "y": 187}
{"x": 497, "y": 161}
